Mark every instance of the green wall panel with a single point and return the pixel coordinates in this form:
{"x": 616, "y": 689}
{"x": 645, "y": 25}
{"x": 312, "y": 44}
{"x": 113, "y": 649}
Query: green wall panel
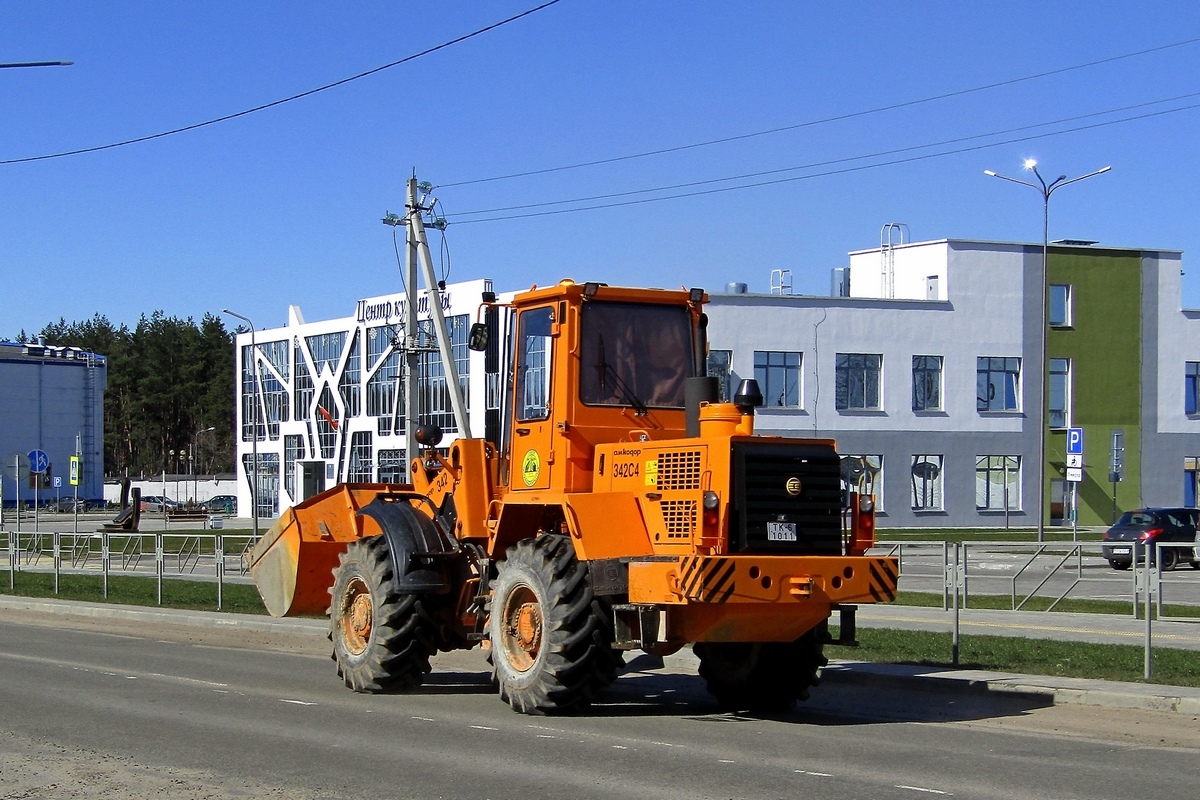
{"x": 1104, "y": 343}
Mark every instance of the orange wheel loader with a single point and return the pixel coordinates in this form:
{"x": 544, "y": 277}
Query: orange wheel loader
{"x": 622, "y": 507}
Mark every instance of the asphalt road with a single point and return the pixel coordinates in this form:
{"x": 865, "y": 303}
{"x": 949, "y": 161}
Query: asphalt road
{"x": 102, "y": 708}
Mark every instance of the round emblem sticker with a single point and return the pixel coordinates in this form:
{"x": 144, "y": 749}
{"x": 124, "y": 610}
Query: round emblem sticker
{"x": 793, "y": 486}
{"x": 531, "y": 467}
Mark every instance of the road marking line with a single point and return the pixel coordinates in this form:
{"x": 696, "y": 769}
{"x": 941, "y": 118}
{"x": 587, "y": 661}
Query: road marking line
{"x": 920, "y": 789}
{"x": 815, "y": 774}
{"x": 725, "y": 761}
{"x": 296, "y": 702}
{"x": 619, "y": 747}
{"x": 423, "y": 719}
{"x": 484, "y": 728}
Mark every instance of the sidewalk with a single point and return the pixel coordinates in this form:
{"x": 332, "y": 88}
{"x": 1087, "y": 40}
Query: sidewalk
{"x": 1103, "y": 629}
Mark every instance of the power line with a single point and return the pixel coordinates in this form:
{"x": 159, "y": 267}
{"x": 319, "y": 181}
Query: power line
{"x": 841, "y": 171}
{"x": 830, "y": 162}
{"x": 825, "y": 120}
{"x": 274, "y": 103}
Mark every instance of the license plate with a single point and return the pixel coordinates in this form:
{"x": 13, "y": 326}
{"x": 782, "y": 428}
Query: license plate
{"x": 1120, "y": 551}
{"x": 781, "y": 531}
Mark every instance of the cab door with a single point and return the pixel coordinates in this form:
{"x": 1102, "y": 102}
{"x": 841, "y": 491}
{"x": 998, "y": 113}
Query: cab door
{"x": 532, "y": 440}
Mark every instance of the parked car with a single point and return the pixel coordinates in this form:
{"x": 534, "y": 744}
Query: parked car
{"x": 69, "y": 505}
{"x": 156, "y": 502}
{"x": 1149, "y": 526}
{"x": 222, "y": 504}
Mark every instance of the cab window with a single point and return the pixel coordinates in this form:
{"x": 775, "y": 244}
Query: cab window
{"x": 635, "y": 355}
{"x": 534, "y": 348}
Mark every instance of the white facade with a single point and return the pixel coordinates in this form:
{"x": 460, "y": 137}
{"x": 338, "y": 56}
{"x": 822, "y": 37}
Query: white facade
{"x": 930, "y": 373}
{"x": 330, "y": 395}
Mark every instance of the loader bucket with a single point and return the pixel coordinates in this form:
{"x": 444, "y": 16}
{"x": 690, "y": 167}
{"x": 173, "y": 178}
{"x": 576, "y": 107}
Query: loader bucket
{"x": 292, "y": 565}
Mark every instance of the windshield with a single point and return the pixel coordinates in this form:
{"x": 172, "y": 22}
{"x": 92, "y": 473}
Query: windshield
{"x": 635, "y": 355}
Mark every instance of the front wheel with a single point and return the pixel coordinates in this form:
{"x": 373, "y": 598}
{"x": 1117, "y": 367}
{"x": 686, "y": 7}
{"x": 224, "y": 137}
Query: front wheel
{"x": 767, "y": 677}
{"x": 382, "y": 640}
{"x": 551, "y": 637}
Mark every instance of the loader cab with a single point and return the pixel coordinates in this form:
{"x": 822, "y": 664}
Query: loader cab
{"x": 590, "y": 365}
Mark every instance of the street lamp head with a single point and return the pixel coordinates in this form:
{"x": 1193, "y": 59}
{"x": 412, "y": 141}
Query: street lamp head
{"x": 989, "y": 173}
{"x": 1031, "y": 163}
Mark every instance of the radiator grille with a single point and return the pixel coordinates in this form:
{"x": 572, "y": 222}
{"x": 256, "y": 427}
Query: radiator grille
{"x": 812, "y": 504}
{"x": 678, "y": 470}
{"x": 679, "y": 516}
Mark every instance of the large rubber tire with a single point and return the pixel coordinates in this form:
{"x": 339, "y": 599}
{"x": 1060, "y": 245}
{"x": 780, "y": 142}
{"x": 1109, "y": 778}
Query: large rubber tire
{"x": 551, "y": 638}
{"x": 382, "y": 640}
{"x": 762, "y": 677}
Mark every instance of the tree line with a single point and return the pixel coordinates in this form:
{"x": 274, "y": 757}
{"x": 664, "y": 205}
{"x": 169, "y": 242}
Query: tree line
{"x": 169, "y": 381}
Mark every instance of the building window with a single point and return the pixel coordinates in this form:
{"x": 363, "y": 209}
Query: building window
{"x": 1191, "y": 481}
{"x": 1191, "y": 399}
{"x": 302, "y": 388}
{"x": 858, "y": 381}
{"x": 926, "y": 475}
{"x": 720, "y": 366}
{"x": 997, "y": 483}
{"x": 383, "y": 371}
{"x": 434, "y": 406}
{"x": 997, "y": 383}
{"x": 392, "y": 466}
{"x": 927, "y": 383}
{"x": 326, "y": 350}
{"x": 1059, "y": 408}
{"x": 1060, "y": 306}
{"x": 778, "y": 376}
{"x": 360, "y": 468}
{"x": 863, "y": 474}
{"x": 350, "y": 384}
{"x": 293, "y": 451}
{"x": 268, "y": 482}
{"x": 327, "y": 424}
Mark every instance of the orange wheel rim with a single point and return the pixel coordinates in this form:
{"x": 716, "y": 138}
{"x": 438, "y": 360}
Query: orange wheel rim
{"x": 357, "y": 616}
{"x": 522, "y": 618}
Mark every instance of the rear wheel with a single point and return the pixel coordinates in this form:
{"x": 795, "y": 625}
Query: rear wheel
{"x": 1170, "y": 557}
{"x": 762, "y": 676}
{"x": 551, "y": 638}
{"x": 1118, "y": 564}
{"x": 382, "y": 640}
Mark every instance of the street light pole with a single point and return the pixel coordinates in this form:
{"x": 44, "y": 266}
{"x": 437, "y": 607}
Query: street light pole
{"x": 192, "y": 459}
{"x": 1045, "y": 189}
{"x": 254, "y": 438}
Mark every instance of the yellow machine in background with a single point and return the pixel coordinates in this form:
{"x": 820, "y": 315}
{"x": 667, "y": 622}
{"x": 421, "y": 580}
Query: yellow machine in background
{"x": 622, "y": 507}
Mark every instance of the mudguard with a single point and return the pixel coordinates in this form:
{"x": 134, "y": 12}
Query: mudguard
{"x": 418, "y": 548}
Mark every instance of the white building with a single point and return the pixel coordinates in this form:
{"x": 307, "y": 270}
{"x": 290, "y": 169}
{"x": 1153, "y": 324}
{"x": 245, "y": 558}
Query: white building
{"x": 923, "y": 373}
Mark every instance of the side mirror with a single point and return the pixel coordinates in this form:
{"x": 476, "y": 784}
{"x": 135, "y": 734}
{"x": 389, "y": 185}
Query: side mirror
{"x": 479, "y": 338}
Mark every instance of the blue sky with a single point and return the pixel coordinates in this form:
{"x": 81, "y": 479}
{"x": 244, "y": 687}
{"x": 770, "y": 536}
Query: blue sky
{"x": 283, "y": 206}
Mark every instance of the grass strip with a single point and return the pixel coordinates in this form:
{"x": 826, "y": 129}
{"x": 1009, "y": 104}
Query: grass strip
{"x": 1110, "y": 662}
{"x": 137, "y": 591}
{"x": 1002, "y": 602}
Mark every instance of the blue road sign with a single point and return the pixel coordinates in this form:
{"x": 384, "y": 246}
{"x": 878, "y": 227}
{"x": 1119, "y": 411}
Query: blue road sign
{"x": 38, "y": 461}
{"x": 1074, "y": 441}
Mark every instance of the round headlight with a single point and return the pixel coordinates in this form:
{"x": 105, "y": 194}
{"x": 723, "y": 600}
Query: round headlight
{"x": 711, "y": 501}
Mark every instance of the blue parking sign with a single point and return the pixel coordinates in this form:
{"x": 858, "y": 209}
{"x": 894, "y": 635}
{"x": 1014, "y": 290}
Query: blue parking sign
{"x": 1074, "y": 441}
